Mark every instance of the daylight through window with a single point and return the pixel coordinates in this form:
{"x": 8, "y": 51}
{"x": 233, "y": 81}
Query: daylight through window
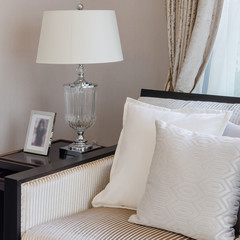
{"x": 222, "y": 74}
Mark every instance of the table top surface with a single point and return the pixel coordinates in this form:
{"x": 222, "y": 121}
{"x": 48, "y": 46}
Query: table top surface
{"x": 36, "y": 160}
{"x": 32, "y": 160}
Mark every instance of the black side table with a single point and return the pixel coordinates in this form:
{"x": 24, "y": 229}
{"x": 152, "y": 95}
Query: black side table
{"x": 19, "y": 167}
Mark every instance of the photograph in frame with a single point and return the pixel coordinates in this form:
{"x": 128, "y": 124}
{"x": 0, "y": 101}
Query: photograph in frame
{"x": 39, "y": 134}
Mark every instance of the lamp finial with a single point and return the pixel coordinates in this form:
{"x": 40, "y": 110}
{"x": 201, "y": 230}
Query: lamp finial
{"x": 80, "y": 6}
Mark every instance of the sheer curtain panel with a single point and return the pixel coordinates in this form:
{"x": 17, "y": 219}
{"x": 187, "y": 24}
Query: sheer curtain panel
{"x": 222, "y": 74}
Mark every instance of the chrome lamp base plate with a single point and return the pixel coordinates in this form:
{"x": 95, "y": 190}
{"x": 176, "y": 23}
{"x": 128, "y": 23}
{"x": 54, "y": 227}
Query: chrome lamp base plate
{"x": 81, "y": 149}
{"x": 73, "y": 151}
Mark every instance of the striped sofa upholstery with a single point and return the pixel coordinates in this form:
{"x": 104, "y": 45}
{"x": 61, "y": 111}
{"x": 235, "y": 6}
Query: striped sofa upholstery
{"x": 66, "y": 212}
{"x": 63, "y": 193}
{"x": 97, "y": 224}
{"x": 178, "y": 103}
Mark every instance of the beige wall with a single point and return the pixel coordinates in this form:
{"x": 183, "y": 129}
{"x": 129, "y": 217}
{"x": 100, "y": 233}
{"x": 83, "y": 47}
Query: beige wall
{"x": 25, "y": 85}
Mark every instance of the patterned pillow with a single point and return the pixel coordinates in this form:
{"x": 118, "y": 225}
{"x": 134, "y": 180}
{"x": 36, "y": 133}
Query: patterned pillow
{"x": 193, "y": 186}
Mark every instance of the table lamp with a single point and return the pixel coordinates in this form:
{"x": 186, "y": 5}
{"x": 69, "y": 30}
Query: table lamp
{"x": 79, "y": 37}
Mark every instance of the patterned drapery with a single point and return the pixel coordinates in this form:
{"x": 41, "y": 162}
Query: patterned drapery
{"x": 192, "y": 27}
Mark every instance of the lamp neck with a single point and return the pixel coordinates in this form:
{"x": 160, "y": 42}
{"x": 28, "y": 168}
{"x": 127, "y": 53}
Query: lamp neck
{"x": 80, "y": 69}
{"x": 80, "y": 73}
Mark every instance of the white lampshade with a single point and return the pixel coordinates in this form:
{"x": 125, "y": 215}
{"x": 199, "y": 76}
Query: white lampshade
{"x": 79, "y": 37}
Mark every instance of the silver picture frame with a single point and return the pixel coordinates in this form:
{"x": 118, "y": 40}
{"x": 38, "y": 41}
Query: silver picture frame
{"x": 40, "y": 132}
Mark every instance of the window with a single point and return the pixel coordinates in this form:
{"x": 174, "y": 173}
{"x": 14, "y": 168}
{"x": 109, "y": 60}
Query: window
{"x": 222, "y": 73}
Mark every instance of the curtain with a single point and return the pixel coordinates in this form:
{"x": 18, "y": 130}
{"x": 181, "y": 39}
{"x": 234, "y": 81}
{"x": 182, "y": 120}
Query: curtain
{"x": 192, "y": 27}
{"x": 180, "y": 21}
{"x": 222, "y": 75}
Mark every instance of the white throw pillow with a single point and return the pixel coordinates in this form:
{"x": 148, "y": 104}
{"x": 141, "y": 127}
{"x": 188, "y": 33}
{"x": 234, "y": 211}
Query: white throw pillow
{"x": 136, "y": 145}
{"x": 193, "y": 186}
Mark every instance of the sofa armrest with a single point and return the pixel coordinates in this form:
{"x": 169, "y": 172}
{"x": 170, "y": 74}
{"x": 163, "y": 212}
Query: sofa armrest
{"x": 63, "y": 193}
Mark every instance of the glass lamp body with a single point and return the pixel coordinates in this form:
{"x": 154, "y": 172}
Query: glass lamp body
{"x": 80, "y": 110}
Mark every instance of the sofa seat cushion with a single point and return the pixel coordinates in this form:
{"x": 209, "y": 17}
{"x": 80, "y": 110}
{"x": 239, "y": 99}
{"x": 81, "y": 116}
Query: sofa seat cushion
{"x": 97, "y": 224}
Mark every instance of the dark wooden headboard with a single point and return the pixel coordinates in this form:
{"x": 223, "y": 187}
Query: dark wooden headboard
{"x": 188, "y": 96}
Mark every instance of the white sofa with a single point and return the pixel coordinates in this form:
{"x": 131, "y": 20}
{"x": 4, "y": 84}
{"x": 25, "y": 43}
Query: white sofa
{"x": 58, "y": 206}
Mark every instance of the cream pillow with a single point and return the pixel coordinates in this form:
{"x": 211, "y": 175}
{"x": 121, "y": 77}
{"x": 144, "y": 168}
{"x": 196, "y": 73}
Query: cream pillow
{"x": 193, "y": 186}
{"x": 136, "y": 145}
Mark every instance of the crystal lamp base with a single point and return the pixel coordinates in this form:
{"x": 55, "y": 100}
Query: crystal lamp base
{"x": 80, "y": 109}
